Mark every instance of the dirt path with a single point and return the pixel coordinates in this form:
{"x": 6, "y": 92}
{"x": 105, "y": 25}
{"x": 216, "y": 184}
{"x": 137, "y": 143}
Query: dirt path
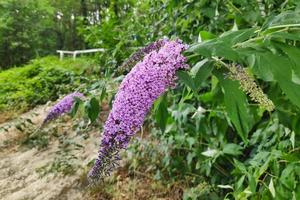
{"x": 24, "y": 172}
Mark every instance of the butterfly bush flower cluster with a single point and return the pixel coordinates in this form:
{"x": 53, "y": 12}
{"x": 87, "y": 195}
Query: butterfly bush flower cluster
{"x": 140, "y": 88}
{"x": 63, "y": 106}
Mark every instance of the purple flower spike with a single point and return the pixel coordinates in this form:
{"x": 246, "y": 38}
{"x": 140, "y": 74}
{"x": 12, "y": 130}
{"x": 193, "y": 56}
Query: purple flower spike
{"x": 63, "y": 106}
{"x": 149, "y": 79}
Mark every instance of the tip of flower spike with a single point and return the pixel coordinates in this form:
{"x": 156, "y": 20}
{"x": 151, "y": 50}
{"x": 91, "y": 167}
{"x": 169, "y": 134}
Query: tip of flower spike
{"x": 139, "y": 55}
{"x": 97, "y": 174}
{"x": 63, "y": 106}
{"x": 106, "y": 162}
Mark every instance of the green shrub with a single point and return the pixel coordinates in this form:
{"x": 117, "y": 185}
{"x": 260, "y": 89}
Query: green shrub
{"x": 40, "y": 81}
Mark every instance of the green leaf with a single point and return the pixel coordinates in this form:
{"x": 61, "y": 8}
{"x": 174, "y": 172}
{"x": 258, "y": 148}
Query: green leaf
{"x": 161, "y": 112}
{"x": 287, "y": 177}
{"x": 252, "y": 183}
{"x": 284, "y": 19}
{"x": 260, "y": 70}
{"x": 236, "y": 106}
{"x": 262, "y": 162}
{"x": 205, "y": 35}
{"x": 210, "y": 152}
{"x": 198, "y": 74}
{"x": 76, "y": 104}
{"x": 271, "y": 188}
{"x": 240, "y": 166}
{"x": 294, "y": 54}
{"x": 232, "y": 149}
{"x": 240, "y": 182}
{"x": 190, "y": 157}
{"x": 215, "y": 48}
{"x": 292, "y": 139}
{"x": 222, "y": 46}
{"x": 186, "y": 79}
{"x": 194, "y": 70}
{"x": 234, "y": 37}
{"x": 93, "y": 109}
{"x": 285, "y": 35}
{"x": 191, "y": 141}
{"x": 202, "y": 74}
{"x": 103, "y": 93}
{"x": 281, "y": 68}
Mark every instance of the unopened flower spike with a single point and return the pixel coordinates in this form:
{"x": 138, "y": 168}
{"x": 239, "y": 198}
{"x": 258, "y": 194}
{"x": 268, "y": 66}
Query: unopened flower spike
{"x": 249, "y": 86}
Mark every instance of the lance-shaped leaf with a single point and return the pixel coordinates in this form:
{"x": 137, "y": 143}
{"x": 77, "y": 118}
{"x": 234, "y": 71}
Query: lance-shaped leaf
{"x": 236, "y": 105}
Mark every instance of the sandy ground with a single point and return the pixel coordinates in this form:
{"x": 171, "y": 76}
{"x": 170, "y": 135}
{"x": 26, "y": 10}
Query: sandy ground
{"x": 19, "y": 176}
{"x": 8, "y": 130}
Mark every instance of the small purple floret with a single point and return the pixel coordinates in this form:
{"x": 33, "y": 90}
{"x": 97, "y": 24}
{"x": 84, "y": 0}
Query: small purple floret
{"x": 149, "y": 79}
{"x": 63, "y": 106}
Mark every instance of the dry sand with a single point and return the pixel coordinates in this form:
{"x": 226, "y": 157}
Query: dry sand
{"x": 19, "y": 179}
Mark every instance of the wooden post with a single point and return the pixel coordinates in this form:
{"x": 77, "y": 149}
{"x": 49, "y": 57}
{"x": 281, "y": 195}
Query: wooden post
{"x": 61, "y": 55}
{"x": 74, "y": 55}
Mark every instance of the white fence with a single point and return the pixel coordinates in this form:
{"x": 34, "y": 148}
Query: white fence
{"x": 76, "y": 52}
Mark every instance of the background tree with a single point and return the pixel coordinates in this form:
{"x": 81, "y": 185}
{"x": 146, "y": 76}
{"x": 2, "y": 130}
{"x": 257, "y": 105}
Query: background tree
{"x": 26, "y": 31}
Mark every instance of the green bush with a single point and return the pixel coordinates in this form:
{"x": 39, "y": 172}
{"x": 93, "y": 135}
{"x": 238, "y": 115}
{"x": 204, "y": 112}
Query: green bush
{"x": 40, "y": 81}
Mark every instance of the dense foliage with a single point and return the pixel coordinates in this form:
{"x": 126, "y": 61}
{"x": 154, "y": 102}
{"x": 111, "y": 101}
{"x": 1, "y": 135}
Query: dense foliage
{"x": 262, "y": 163}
